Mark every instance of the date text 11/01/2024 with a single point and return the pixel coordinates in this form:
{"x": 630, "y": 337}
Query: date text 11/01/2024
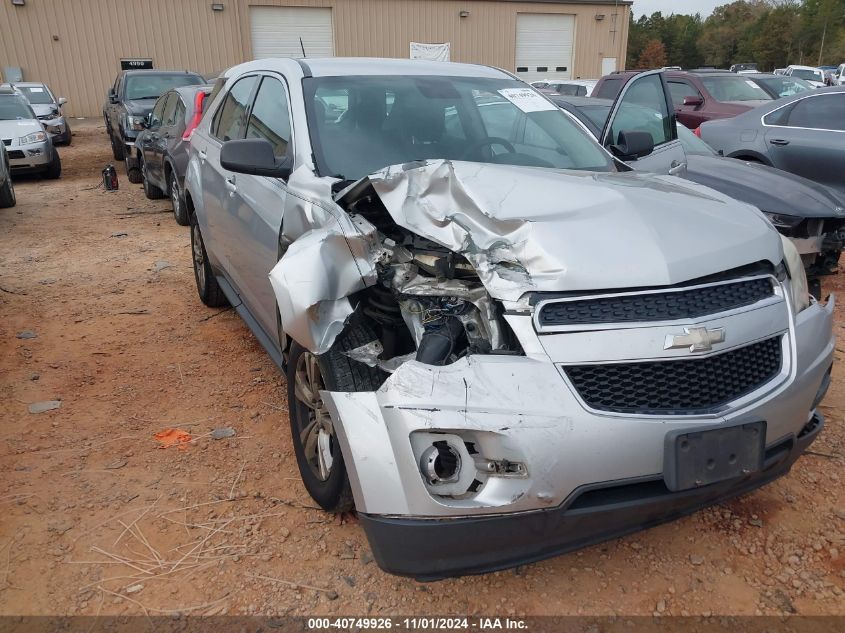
{"x": 416, "y": 623}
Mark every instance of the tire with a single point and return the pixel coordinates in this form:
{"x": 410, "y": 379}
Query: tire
{"x": 207, "y": 287}
{"x": 7, "y": 194}
{"x": 318, "y": 454}
{"x": 150, "y": 190}
{"x": 118, "y": 149}
{"x": 54, "y": 169}
{"x": 133, "y": 170}
{"x": 180, "y": 209}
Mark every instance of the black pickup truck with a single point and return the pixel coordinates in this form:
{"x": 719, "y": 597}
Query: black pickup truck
{"x": 130, "y": 100}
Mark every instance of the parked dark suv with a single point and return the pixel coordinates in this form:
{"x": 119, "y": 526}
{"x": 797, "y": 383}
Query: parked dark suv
{"x": 697, "y": 96}
{"x": 131, "y": 99}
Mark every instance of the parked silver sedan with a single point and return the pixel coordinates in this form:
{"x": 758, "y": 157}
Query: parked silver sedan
{"x": 48, "y": 109}
{"x": 29, "y": 147}
{"x": 803, "y": 134}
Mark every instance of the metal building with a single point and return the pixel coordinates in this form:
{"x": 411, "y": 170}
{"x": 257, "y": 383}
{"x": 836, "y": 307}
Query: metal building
{"x": 76, "y": 46}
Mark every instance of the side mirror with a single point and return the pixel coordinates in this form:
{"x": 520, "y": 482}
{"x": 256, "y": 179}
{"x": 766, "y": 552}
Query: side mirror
{"x": 62, "y": 101}
{"x": 254, "y": 156}
{"x": 112, "y": 96}
{"x": 693, "y": 101}
{"x": 633, "y": 144}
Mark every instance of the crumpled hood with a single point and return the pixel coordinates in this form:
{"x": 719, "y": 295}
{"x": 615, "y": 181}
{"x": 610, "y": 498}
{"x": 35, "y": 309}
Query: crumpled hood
{"x": 766, "y": 188}
{"x": 19, "y": 128}
{"x": 530, "y": 229}
{"x": 45, "y": 109}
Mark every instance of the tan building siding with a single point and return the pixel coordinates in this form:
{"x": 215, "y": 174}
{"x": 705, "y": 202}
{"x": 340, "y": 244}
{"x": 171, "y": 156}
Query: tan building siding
{"x": 93, "y": 35}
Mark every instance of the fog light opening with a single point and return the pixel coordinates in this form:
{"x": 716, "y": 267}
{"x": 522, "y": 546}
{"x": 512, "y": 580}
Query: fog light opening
{"x": 440, "y": 463}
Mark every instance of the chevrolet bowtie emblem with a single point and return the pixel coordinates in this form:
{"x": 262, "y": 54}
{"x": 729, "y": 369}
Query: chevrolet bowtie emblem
{"x": 697, "y": 339}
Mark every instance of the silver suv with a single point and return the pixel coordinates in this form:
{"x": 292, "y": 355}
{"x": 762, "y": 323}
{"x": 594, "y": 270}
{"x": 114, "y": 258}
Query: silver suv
{"x": 27, "y": 143}
{"x": 500, "y": 343}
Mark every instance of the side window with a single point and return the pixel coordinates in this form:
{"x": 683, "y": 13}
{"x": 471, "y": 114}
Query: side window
{"x": 643, "y": 108}
{"x": 168, "y": 118}
{"x": 230, "y": 120}
{"x": 610, "y": 87}
{"x": 179, "y": 118}
{"x": 679, "y": 90}
{"x": 158, "y": 112}
{"x": 823, "y": 112}
{"x": 269, "y": 118}
{"x": 779, "y": 116}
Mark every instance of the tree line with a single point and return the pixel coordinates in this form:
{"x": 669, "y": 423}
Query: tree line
{"x": 772, "y": 33}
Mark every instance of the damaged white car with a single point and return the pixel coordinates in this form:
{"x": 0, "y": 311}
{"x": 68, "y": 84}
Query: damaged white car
{"x": 500, "y": 342}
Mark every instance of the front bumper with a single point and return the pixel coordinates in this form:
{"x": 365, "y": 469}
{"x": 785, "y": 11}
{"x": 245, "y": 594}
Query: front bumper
{"x": 431, "y": 549}
{"x": 58, "y": 130}
{"x": 31, "y": 157}
{"x": 506, "y": 410}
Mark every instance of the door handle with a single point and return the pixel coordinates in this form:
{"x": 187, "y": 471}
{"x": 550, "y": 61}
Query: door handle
{"x": 203, "y": 153}
{"x": 778, "y": 141}
{"x": 676, "y": 168}
{"x": 231, "y": 185}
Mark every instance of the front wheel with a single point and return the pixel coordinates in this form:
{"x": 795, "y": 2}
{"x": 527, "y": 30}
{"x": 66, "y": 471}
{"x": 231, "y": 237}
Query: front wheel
{"x": 7, "y": 194}
{"x": 150, "y": 190}
{"x": 54, "y": 169}
{"x": 318, "y": 454}
{"x": 118, "y": 150}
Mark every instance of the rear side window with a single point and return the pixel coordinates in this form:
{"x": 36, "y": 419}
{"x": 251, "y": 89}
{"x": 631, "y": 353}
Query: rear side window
{"x": 169, "y": 116}
{"x": 230, "y": 120}
{"x": 822, "y": 112}
{"x": 270, "y": 118}
{"x": 679, "y": 90}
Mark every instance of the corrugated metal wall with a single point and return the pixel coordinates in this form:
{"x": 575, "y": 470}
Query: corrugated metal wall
{"x": 75, "y": 45}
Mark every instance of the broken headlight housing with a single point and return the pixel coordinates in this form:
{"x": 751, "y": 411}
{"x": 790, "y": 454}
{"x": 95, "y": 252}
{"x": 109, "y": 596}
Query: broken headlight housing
{"x": 799, "y": 292}
{"x": 783, "y": 221}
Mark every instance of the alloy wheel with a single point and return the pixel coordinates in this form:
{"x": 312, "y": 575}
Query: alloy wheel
{"x": 316, "y": 431}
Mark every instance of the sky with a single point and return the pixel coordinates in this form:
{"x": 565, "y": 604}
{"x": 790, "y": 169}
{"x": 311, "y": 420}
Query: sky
{"x": 704, "y": 7}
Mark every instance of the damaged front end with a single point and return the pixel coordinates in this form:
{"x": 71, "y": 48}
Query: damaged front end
{"x": 492, "y": 439}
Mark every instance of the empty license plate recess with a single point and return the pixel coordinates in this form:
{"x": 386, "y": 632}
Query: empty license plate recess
{"x": 695, "y": 458}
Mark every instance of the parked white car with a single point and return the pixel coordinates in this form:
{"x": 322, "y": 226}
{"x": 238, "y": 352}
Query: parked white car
{"x": 840, "y": 75}
{"x": 808, "y": 73}
{"x": 568, "y": 87}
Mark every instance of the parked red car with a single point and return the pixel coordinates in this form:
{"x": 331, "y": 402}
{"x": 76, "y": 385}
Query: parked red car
{"x": 697, "y": 96}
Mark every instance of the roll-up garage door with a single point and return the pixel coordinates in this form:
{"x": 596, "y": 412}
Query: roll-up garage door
{"x": 276, "y": 32}
{"x": 544, "y": 45}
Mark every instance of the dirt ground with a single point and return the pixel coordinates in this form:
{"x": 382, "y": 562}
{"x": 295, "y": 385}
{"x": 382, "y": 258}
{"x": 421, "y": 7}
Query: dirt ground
{"x": 96, "y": 519}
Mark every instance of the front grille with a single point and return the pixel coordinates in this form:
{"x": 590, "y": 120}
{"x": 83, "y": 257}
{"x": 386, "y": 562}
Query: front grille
{"x": 15, "y": 154}
{"x": 677, "y": 386}
{"x": 656, "y": 306}
{"x": 7, "y": 141}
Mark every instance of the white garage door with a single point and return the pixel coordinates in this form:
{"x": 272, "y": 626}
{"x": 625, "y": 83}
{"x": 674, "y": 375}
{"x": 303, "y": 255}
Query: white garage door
{"x": 544, "y": 45}
{"x": 276, "y": 32}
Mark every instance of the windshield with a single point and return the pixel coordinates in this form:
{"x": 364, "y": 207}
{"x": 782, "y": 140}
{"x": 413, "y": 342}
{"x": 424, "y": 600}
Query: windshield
{"x": 36, "y": 94}
{"x": 734, "y": 89}
{"x": 362, "y": 124}
{"x": 807, "y": 73}
{"x": 15, "y": 107}
{"x": 786, "y": 86}
{"x": 152, "y": 86}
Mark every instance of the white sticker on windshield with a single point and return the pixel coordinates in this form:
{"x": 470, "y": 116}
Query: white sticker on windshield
{"x": 527, "y": 99}
{"x": 36, "y": 89}
{"x": 751, "y": 83}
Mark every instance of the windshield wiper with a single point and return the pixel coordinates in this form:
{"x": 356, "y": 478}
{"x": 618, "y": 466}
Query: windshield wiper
{"x": 145, "y": 97}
